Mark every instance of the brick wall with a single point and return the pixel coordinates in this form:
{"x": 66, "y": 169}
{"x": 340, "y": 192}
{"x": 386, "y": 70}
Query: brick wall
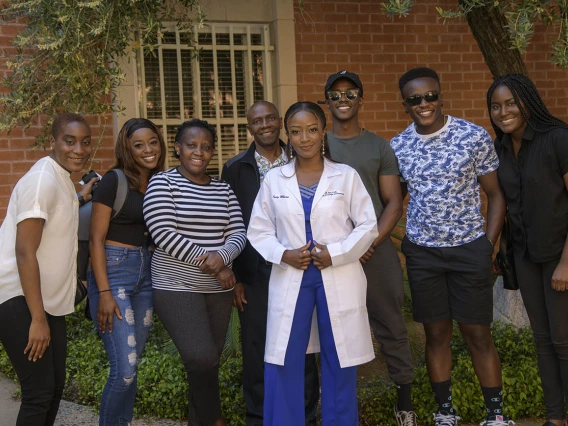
{"x": 355, "y": 35}
{"x": 16, "y": 154}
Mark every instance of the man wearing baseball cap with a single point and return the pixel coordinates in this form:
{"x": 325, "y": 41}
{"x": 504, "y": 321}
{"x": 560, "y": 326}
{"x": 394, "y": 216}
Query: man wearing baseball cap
{"x": 374, "y": 160}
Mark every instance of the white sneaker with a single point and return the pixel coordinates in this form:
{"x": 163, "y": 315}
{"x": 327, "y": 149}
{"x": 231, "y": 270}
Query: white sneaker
{"x": 442, "y": 418}
{"x": 497, "y": 421}
{"x": 405, "y": 418}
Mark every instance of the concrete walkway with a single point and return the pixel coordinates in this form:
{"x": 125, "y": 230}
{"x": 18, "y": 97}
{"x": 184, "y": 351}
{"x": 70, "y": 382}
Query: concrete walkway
{"x": 71, "y": 414}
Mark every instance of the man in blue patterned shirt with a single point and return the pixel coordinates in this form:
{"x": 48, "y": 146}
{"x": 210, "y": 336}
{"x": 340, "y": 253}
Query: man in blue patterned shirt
{"x": 444, "y": 161}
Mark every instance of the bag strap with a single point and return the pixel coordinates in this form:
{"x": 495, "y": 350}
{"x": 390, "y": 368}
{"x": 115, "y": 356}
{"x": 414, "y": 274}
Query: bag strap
{"x": 121, "y": 193}
{"x": 504, "y": 237}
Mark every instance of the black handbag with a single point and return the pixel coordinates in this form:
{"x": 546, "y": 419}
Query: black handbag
{"x": 81, "y": 292}
{"x": 506, "y": 259}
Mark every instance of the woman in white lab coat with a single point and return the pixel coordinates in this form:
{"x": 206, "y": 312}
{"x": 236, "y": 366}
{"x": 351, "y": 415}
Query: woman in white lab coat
{"x": 313, "y": 219}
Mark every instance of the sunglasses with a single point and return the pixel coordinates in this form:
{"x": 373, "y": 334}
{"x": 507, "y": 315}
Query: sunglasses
{"x": 417, "y": 99}
{"x": 350, "y": 94}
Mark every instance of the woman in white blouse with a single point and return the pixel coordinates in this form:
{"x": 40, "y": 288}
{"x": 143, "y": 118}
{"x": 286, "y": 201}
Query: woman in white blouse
{"x": 38, "y": 269}
{"x": 313, "y": 219}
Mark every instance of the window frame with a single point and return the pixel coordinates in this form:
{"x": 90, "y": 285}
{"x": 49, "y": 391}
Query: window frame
{"x": 211, "y": 28}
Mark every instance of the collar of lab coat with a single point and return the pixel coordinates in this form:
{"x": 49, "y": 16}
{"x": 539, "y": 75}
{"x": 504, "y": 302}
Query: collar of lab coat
{"x": 330, "y": 173}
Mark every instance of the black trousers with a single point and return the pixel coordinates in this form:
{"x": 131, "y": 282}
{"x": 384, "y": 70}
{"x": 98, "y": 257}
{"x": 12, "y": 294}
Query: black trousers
{"x": 253, "y": 338}
{"x": 548, "y": 312}
{"x": 197, "y": 324}
{"x": 42, "y": 381}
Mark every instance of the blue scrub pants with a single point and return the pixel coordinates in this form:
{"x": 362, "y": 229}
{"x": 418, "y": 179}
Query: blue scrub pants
{"x": 284, "y": 385}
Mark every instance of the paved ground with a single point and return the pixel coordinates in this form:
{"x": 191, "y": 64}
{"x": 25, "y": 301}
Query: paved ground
{"x": 71, "y": 414}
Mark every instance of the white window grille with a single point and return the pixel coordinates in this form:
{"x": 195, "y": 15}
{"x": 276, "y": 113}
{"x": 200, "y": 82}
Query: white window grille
{"x": 216, "y": 80}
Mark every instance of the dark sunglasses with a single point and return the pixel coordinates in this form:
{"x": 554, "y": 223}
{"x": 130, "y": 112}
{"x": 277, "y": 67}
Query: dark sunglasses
{"x": 335, "y": 95}
{"x": 417, "y": 99}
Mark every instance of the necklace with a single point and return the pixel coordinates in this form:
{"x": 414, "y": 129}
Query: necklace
{"x": 516, "y": 143}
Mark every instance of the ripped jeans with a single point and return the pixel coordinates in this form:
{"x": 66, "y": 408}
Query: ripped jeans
{"x": 128, "y": 271}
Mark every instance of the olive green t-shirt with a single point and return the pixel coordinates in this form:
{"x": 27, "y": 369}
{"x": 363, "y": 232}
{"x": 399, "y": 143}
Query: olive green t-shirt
{"x": 369, "y": 154}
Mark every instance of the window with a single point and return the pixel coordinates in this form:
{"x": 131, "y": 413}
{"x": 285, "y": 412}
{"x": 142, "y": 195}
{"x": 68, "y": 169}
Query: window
{"x": 217, "y": 80}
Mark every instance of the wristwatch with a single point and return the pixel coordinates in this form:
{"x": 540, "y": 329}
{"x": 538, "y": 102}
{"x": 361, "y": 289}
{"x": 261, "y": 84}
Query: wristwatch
{"x": 81, "y": 200}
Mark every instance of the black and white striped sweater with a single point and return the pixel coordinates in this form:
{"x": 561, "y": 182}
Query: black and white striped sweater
{"x": 187, "y": 220}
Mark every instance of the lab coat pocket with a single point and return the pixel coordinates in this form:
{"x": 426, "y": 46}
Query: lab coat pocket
{"x": 351, "y": 286}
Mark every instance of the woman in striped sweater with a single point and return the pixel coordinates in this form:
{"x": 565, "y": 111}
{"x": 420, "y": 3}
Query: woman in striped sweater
{"x": 196, "y": 224}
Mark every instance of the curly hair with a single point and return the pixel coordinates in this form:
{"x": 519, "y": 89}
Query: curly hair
{"x": 123, "y": 151}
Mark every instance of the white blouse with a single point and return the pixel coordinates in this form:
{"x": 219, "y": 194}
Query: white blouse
{"x": 45, "y": 192}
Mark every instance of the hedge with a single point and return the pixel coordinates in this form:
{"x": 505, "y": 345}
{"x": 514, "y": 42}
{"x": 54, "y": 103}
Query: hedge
{"x": 162, "y": 386}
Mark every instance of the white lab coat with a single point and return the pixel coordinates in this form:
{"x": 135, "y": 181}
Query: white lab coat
{"x": 343, "y": 218}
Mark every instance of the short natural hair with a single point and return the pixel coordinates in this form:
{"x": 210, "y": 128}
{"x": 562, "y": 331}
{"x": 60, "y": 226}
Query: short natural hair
{"x": 415, "y": 73}
{"x": 195, "y": 122}
{"x": 262, "y": 102}
{"x": 62, "y": 120}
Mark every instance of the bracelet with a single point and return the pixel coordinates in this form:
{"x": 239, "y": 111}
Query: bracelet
{"x": 102, "y": 291}
{"x": 490, "y": 240}
{"x": 81, "y": 200}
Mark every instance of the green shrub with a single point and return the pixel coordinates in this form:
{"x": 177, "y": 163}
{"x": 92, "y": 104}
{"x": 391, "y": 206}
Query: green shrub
{"x": 162, "y": 381}
{"x": 523, "y": 392}
{"x": 162, "y": 385}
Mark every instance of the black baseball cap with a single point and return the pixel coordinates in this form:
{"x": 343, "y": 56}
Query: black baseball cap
{"x": 343, "y": 74}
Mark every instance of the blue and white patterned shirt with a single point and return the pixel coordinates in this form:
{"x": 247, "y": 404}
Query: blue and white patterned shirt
{"x": 441, "y": 170}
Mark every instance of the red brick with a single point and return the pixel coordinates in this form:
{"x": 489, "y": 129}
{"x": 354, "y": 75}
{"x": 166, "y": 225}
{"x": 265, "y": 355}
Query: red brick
{"x": 22, "y": 167}
{"x": 35, "y": 155}
{"x": 338, "y": 58}
{"x": 335, "y": 17}
{"x": 385, "y": 38}
{"x": 358, "y": 18}
{"x": 349, "y": 8}
{"x": 371, "y": 8}
{"x": 415, "y": 48}
{"x": 5, "y": 192}
{"x": 406, "y": 57}
{"x": 12, "y": 29}
{"x": 360, "y": 38}
{"x": 441, "y": 47}
{"x": 406, "y": 38}
{"x": 6, "y": 155}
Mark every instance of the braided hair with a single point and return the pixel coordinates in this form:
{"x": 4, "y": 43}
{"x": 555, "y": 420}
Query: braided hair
{"x": 529, "y": 102}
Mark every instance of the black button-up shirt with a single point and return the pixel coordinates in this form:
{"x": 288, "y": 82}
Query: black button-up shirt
{"x": 537, "y": 199}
